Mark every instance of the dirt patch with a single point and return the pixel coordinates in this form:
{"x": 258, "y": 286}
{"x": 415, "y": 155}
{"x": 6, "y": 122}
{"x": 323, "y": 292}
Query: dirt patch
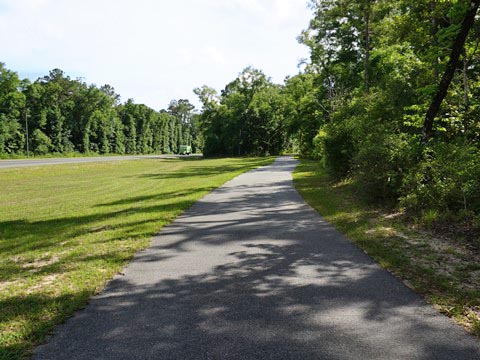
{"x": 43, "y": 282}
{"x": 37, "y": 265}
{"x": 6, "y": 284}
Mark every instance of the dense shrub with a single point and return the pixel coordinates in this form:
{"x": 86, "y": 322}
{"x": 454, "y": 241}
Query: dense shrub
{"x": 338, "y": 148}
{"x": 380, "y": 164}
{"x": 446, "y": 181}
{"x": 41, "y": 143}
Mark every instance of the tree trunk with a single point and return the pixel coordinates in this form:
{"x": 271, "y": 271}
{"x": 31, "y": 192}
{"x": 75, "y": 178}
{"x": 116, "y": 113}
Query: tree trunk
{"x": 447, "y": 77}
{"x": 367, "y": 49}
{"x": 240, "y": 142}
{"x": 433, "y": 32}
{"x": 465, "y": 81}
{"x": 466, "y": 100}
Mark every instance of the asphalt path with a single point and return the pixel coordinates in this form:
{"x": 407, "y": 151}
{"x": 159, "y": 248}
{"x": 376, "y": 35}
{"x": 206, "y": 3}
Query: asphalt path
{"x": 4, "y": 164}
{"x": 252, "y": 272}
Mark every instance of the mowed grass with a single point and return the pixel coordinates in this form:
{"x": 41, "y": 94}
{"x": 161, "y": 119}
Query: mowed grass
{"x": 446, "y": 271}
{"x": 65, "y": 230}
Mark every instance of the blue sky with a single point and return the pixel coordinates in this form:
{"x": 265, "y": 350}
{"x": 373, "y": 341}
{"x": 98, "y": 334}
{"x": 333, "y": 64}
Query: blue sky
{"x": 153, "y": 50}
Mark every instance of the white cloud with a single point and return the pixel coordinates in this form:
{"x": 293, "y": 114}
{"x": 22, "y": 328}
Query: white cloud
{"x": 153, "y": 50}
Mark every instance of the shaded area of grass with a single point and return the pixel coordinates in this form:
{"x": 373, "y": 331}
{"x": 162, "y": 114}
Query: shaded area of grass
{"x": 66, "y": 229}
{"x": 444, "y": 270}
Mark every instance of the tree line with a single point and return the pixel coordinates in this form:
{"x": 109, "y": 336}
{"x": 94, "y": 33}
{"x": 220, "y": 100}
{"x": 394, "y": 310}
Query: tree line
{"x": 389, "y": 99}
{"x": 56, "y": 114}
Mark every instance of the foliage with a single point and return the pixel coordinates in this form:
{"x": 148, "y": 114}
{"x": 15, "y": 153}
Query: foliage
{"x": 246, "y": 119}
{"x": 41, "y": 143}
{"x": 372, "y": 127}
{"x": 65, "y": 115}
{"x": 338, "y": 148}
{"x": 446, "y": 181}
{"x": 380, "y": 164}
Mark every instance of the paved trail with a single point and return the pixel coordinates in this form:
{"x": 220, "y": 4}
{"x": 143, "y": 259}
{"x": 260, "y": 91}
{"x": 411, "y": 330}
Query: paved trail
{"x": 4, "y": 164}
{"x": 252, "y": 272}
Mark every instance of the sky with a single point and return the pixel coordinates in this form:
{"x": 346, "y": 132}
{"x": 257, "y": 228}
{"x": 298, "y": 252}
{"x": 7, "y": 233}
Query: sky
{"x": 153, "y": 50}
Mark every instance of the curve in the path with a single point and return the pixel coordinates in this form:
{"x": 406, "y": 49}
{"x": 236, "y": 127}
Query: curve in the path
{"x": 252, "y": 272}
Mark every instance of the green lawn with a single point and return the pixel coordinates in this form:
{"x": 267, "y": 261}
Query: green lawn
{"x": 446, "y": 271}
{"x": 65, "y": 230}
{"x": 51, "y": 155}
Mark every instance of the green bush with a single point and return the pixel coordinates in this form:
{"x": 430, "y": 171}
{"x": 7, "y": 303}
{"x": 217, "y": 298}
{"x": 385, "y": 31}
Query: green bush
{"x": 379, "y": 165}
{"x": 446, "y": 180}
{"x": 41, "y": 143}
{"x": 338, "y": 148}
{"x": 365, "y": 141}
{"x": 318, "y": 149}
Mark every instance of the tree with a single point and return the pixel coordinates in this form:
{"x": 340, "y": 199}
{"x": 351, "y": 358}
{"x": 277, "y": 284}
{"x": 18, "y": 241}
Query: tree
{"x": 12, "y": 106}
{"x": 246, "y": 118}
{"x": 41, "y": 143}
{"x": 66, "y": 115}
{"x": 457, "y": 48}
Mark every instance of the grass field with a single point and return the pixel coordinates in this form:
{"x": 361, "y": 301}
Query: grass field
{"x": 51, "y": 155}
{"x": 446, "y": 271}
{"x": 66, "y": 229}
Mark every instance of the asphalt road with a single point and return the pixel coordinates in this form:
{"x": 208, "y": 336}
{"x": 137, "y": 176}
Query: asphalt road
{"x": 252, "y": 272}
{"x": 53, "y": 161}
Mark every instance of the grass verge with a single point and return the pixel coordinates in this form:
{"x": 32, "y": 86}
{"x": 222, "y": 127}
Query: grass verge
{"x": 444, "y": 270}
{"x": 50, "y": 155}
{"x": 65, "y": 230}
